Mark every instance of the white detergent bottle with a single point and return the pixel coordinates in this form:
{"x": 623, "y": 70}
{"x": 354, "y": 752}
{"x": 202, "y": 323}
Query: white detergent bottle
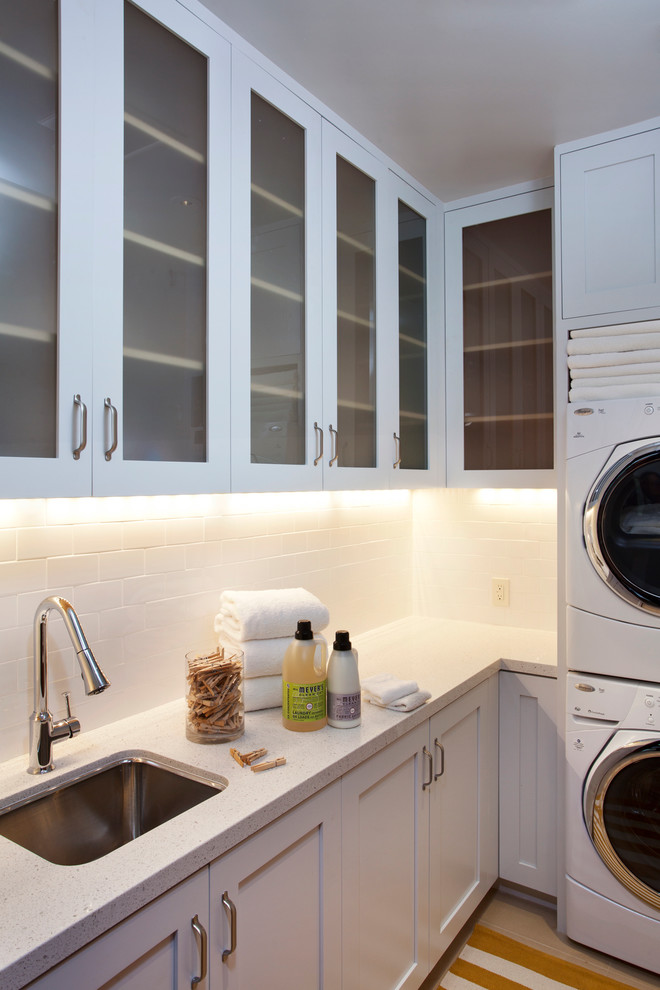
{"x": 344, "y": 692}
{"x": 304, "y": 674}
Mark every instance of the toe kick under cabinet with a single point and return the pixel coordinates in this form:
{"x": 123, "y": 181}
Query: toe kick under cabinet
{"x": 361, "y": 887}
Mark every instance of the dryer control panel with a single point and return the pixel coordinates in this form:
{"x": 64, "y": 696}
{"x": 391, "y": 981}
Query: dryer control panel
{"x": 608, "y": 699}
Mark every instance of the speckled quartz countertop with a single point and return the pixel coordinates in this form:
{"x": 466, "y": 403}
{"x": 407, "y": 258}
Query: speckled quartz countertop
{"x": 49, "y": 911}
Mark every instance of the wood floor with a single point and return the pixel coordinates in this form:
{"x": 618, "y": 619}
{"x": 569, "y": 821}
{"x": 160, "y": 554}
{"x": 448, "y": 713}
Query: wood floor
{"x": 534, "y": 922}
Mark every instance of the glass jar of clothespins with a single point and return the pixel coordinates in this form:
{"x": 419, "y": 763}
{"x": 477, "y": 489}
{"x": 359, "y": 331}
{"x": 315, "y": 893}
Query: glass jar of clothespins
{"x": 214, "y": 695}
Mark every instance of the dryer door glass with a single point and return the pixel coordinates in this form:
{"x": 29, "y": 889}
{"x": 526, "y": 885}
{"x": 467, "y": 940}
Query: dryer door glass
{"x": 622, "y": 528}
{"x": 626, "y": 822}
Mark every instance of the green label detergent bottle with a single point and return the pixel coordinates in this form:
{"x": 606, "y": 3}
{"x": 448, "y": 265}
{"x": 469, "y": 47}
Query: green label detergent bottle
{"x": 304, "y": 682}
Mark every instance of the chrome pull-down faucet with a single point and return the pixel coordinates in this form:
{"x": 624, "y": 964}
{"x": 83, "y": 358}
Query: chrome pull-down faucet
{"x": 43, "y": 730}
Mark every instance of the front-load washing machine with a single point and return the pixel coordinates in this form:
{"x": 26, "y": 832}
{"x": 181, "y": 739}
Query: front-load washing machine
{"x": 613, "y": 538}
{"x": 613, "y": 817}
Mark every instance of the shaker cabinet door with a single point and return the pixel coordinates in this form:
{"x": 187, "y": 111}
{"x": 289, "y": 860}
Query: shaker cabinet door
{"x": 161, "y": 261}
{"x": 46, "y": 131}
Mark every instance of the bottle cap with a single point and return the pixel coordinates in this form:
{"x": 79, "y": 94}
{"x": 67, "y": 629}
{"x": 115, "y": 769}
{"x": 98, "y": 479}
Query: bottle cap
{"x": 342, "y": 640}
{"x": 304, "y": 629}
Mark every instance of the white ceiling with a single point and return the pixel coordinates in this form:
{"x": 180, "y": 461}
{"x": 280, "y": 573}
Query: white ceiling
{"x": 466, "y": 95}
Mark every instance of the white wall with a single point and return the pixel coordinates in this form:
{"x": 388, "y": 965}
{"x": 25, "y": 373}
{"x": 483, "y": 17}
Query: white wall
{"x": 145, "y": 576}
{"x": 463, "y": 538}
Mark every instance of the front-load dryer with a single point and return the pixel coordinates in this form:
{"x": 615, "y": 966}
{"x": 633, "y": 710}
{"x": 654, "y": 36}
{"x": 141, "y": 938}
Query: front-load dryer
{"x": 613, "y": 538}
{"x": 613, "y": 817}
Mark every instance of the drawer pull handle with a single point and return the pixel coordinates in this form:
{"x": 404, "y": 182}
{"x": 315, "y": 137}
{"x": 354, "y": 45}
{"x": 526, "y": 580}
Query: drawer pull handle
{"x": 442, "y": 759}
{"x": 231, "y": 907}
{"x": 427, "y": 783}
{"x": 79, "y": 404}
{"x": 319, "y": 446}
{"x": 113, "y": 428}
{"x": 199, "y": 929}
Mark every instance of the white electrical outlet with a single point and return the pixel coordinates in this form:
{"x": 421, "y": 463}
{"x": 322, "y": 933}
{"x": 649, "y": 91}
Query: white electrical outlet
{"x": 500, "y": 589}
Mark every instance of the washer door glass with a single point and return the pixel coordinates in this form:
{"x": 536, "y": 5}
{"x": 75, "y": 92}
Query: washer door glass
{"x": 624, "y": 821}
{"x": 622, "y": 527}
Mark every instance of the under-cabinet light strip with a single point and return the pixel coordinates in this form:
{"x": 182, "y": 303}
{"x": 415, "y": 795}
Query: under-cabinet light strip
{"x": 507, "y": 345}
{"x": 27, "y": 333}
{"x": 169, "y": 359}
{"x": 155, "y": 132}
{"x": 277, "y": 290}
{"x": 295, "y": 211}
{"x": 25, "y": 196}
{"x": 28, "y": 63}
{"x": 173, "y": 252}
{"x": 506, "y": 281}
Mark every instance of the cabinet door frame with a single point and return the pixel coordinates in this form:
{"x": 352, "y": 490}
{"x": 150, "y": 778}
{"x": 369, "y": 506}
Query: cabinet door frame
{"x": 116, "y": 476}
{"x": 168, "y": 917}
{"x": 406, "y": 756}
{"x": 455, "y": 221}
{"x": 247, "y": 77}
{"x": 617, "y": 304}
{"x": 479, "y": 704}
{"x": 254, "y": 859}
{"x": 62, "y": 475}
{"x": 434, "y": 474}
{"x": 336, "y": 477}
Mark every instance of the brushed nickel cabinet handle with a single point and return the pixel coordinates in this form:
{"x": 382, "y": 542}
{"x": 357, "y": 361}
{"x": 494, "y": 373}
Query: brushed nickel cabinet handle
{"x": 442, "y": 759}
{"x": 397, "y": 451}
{"x": 80, "y": 405}
{"x": 231, "y": 907}
{"x": 199, "y": 930}
{"x": 319, "y": 446}
{"x": 334, "y": 434}
{"x": 113, "y": 428}
{"x": 427, "y": 783}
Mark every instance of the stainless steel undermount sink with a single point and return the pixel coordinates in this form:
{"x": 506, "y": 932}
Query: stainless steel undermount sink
{"x": 82, "y": 819}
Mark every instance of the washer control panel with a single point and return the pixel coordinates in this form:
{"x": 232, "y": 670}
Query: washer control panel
{"x": 608, "y": 699}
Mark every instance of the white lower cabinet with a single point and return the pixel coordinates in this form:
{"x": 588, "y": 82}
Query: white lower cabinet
{"x": 463, "y": 812}
{"x": 155, "y": 947}
{"x": 419, "y": 843}
{"x": 528, "y": 781}
{"x": 276, "y": 903}
{"x": 361, "y": 887}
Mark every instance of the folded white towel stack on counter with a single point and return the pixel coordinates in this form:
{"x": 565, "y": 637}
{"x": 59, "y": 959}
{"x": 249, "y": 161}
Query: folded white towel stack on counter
{"x": 388, "y": 691}
{"x": 617, "y": 362}
{"x": 262, "y": 624}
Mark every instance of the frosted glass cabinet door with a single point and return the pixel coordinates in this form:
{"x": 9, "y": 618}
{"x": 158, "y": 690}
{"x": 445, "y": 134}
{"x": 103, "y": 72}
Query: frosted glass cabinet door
{"x": 357, "y": 324}
{"x": 418, "y": 427}
{"x": 276, "y": 311}
{"x": 500, "y": 343}
{"x": 44, "y": 219}
{"x": 163, "y": 417}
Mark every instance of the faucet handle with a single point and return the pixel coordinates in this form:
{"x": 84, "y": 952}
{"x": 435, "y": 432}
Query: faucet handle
{"x": 67, "y": 701}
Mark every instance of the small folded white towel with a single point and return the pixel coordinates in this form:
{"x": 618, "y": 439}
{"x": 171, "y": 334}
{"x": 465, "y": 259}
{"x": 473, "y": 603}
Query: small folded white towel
{"x": 644, "y": 326}
{"x": 628, "y": 370}
{"x": 262, "y": 692}
{"x": 271, "y": 613}
{"x": 578, "y": 381}
{"x": 609, "y": 359}
{"x": 624, "y": 342}
{"x": 383, "y": 689}
{"x": 406, "y": 704}
{"x": 261, "y": 657}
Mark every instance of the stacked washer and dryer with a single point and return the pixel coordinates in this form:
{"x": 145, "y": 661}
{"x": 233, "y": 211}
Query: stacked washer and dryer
{"x": 613, "y": 680}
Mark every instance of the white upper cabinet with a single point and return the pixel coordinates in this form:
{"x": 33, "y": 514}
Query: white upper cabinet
{"x": 359, "y": 327}
{"x": 608, "y": 197}
{"x": 45, "y": 265}
{"x": 161, "y": 264}
{"x": 276, "y": 295}
{"x": 500, "y": 402}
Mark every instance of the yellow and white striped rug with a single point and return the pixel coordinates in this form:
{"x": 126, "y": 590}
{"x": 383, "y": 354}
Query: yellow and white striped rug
{"x": 495, "y": 962}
